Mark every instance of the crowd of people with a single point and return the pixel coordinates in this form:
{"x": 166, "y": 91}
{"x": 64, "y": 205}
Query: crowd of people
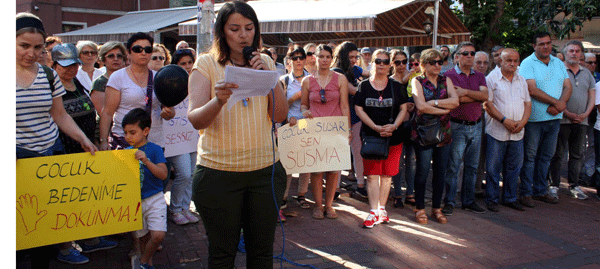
{"x": 466, "y": 116}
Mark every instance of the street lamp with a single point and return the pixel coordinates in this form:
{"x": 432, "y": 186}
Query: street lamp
{"x": 428, "y": 26}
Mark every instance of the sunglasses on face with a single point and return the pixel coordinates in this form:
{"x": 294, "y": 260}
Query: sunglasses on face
{"x": 310, "y": 54}
{"x": 89, "y": 53}
{"x": 382, "y": 61}
{"x": 159, "y": 58}
{"x": 466, "y": 53}
{"x": 139, "y": 49}
{"x": 295, "y": 58}
{"x": 433, "y": 62}
{"x": 415, "y": 64}
{"x": 322, "y": 93}
{"x": 398, "y": 62}
{"x": 115, "y": 56}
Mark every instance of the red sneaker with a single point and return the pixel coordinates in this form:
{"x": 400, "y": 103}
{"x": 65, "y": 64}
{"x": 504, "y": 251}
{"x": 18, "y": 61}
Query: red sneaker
{"x": 383, "y": 217}
{"x": 371, "y": 220}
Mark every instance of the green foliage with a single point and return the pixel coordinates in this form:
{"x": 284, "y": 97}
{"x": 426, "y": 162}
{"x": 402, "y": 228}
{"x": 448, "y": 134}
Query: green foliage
{"x": 559, "y": 17}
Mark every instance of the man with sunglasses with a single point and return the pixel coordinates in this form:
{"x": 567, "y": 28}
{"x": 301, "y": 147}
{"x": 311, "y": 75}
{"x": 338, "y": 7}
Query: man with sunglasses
{"x": 590, "y": 64}
{"x": 466, "y": 129}
{"x": 550, "y": 88}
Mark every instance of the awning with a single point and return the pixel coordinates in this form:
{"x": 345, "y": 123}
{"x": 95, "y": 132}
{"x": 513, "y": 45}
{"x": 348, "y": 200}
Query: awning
{"x": 372, "y": 23}
{"x": 120, "y": 29}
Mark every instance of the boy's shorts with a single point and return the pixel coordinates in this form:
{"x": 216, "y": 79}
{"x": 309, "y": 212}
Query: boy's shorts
{"x": 154, "y": 214}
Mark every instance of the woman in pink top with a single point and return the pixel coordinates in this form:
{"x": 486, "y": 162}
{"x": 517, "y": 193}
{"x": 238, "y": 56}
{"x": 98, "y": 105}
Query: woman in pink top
{"x": 324, "y": 94}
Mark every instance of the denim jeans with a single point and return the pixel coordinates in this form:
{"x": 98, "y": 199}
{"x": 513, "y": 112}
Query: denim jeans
{"x": 466, "y": 143}
{"x": 596, "y": 176}
{"x": 407, "y": 170}
{"x": 571, "y": 137}
{"x": 181, "y": 190}
{"x": 506, "y": 158}
{"x": 425, "y": 155}
{"x": 540, "y": 145}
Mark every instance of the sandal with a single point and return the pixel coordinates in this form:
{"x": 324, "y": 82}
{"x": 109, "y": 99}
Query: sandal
{"x": 437, "y": 214}
{"x": 330, "y": 212}
{"x": 318, "y": 213}
{"x": 420, "y": 216}
{"x": 303, "y": 203}
{"x": 410, "y": 200}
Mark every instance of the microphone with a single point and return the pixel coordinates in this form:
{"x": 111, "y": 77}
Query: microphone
{"x": 247, "y": 52}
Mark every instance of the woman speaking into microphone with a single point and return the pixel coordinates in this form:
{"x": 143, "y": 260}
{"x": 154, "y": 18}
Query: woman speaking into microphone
{"x": 232, "y": 180}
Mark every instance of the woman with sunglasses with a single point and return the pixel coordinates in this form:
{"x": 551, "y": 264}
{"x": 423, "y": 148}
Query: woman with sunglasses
{"x": 311, "y": 59}
{"x": 324, "y": 94}
{"x": 112, "y": 54}
{"x": 380, "y": 103}
{"x": 127, "y": 88}
{"x": 435, "y": 97}
{"x": 407, "y": 161}
{"x": 293, "y": 91}
{"x": 88, "y": 54}
{"x": 160, "y": 57}
{"x": 238, "y": 167}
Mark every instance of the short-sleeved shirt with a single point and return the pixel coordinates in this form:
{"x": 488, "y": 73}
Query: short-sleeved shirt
{"x": 467, "y": 111}
{"x": 134, "y": 96}
{"x": 151, "y": 185}
{"x": 100, "y": 84}
{"x": 548, "y": 78}
{"x": 293, "y": 87}
{"x": 582, "y": 83}
{"x": 85, "y": 80}
{"x": 80, "y": 107}
{"x": 239, "y": 139}
{"x": 509, "y": 98}
{"x": 378, "y": 106}
{"x": 35, "y": 128}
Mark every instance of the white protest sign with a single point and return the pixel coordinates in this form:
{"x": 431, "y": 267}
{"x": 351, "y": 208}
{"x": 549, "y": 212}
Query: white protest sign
{"x": 179, "y": 134}
{"x": 315, "y": 145}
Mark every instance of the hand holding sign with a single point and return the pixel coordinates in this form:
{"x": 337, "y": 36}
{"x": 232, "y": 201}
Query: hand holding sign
{"x": 27, "y": 206}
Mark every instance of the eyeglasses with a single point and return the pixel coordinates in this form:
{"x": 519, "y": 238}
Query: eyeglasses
{"x": 310, "y": 54}
{"x": 139, "y": 49}
{"x": 433, "y": 62}
{"x": 115, "y": 56}
{"x": 590, "y": 62}
{"x": 382, "y": 61}
{"x": 89, "y": 53}
{"x": 398, "y": 62}
{"x": 158, "y": 58}
{"x": 322, "y": 93}
{"x": 295, "y": 58}
{"x": 466, "y": 53}
{"x": 482, "y": 62}
{"x": 415, "y": 64}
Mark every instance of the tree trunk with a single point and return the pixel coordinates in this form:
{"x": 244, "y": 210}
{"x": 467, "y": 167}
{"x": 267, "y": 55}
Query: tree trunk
{"x": 488, "y": 43}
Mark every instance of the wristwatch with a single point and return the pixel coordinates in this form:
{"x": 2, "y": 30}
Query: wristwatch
{"x": 435, "y": 102}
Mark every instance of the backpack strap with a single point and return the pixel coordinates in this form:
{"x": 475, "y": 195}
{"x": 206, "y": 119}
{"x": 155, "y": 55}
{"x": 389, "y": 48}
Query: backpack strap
{"x": 49, "y": 76}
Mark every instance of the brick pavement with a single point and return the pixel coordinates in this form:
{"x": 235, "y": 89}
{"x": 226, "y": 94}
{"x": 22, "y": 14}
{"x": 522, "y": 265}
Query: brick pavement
{"x": 565, "y": 235}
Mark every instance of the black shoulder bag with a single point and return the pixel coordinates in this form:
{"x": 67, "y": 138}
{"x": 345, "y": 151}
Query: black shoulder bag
{"x": 377, "y": 147}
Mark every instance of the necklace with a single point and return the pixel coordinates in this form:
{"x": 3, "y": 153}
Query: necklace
{"x": 297, "y": 77}
{"x": 85, "y": 104}
{"x": 140, "y": 83}
{"x": 379, "y": 86}
{"x": 320, "y": 81}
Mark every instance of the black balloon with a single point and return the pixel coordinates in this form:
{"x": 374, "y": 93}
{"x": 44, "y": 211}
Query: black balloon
{"x": 171, "y": 85}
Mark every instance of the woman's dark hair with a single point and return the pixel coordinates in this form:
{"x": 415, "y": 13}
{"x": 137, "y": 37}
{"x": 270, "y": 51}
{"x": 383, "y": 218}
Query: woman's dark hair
{"x": 296, "y": 49}
{"x": 416, "y": 57}
{"x": 178, "y": 55}
{"x": 324, "y": 47}
{"x": 396, "y": 52}
{"x": 138, "y": 36}
{"x": 137, "y": 116}
{"x": 220, "y": 49}
{"x": 341, "y": 59}
{"x": 266, "y": 51}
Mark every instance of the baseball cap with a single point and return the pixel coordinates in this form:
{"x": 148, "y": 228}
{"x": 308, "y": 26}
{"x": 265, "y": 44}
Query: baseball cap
{"x": 65, "y": 54}
{"x": 365, "y": 50}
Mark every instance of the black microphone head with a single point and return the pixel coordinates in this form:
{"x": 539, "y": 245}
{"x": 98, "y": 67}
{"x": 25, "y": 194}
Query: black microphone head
{"x": 247, "y": 51}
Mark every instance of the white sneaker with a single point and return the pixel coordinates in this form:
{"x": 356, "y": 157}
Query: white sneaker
{"x": 576, "y": 192}
{"x": 553, "y": 192}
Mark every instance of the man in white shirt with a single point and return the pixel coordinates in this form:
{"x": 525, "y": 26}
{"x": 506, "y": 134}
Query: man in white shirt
{"x": 507, "y": 112}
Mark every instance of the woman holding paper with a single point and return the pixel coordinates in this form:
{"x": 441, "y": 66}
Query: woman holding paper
{"x": 238, "y": 166}
{"x": 380, "y": 103}
{"x": 324, "y": 94}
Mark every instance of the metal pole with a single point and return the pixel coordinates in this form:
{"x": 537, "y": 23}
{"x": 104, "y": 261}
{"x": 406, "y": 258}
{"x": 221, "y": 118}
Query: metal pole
{"x": 435, "y": 23}
{"x": 205, "y": 25}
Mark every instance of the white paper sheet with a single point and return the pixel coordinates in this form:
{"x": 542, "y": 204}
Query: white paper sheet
{"x": 251, "y": 83}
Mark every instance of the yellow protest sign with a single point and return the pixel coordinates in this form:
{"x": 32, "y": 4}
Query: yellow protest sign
{"x": 77, "y": 196}
{"x": 315, "y": 145}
